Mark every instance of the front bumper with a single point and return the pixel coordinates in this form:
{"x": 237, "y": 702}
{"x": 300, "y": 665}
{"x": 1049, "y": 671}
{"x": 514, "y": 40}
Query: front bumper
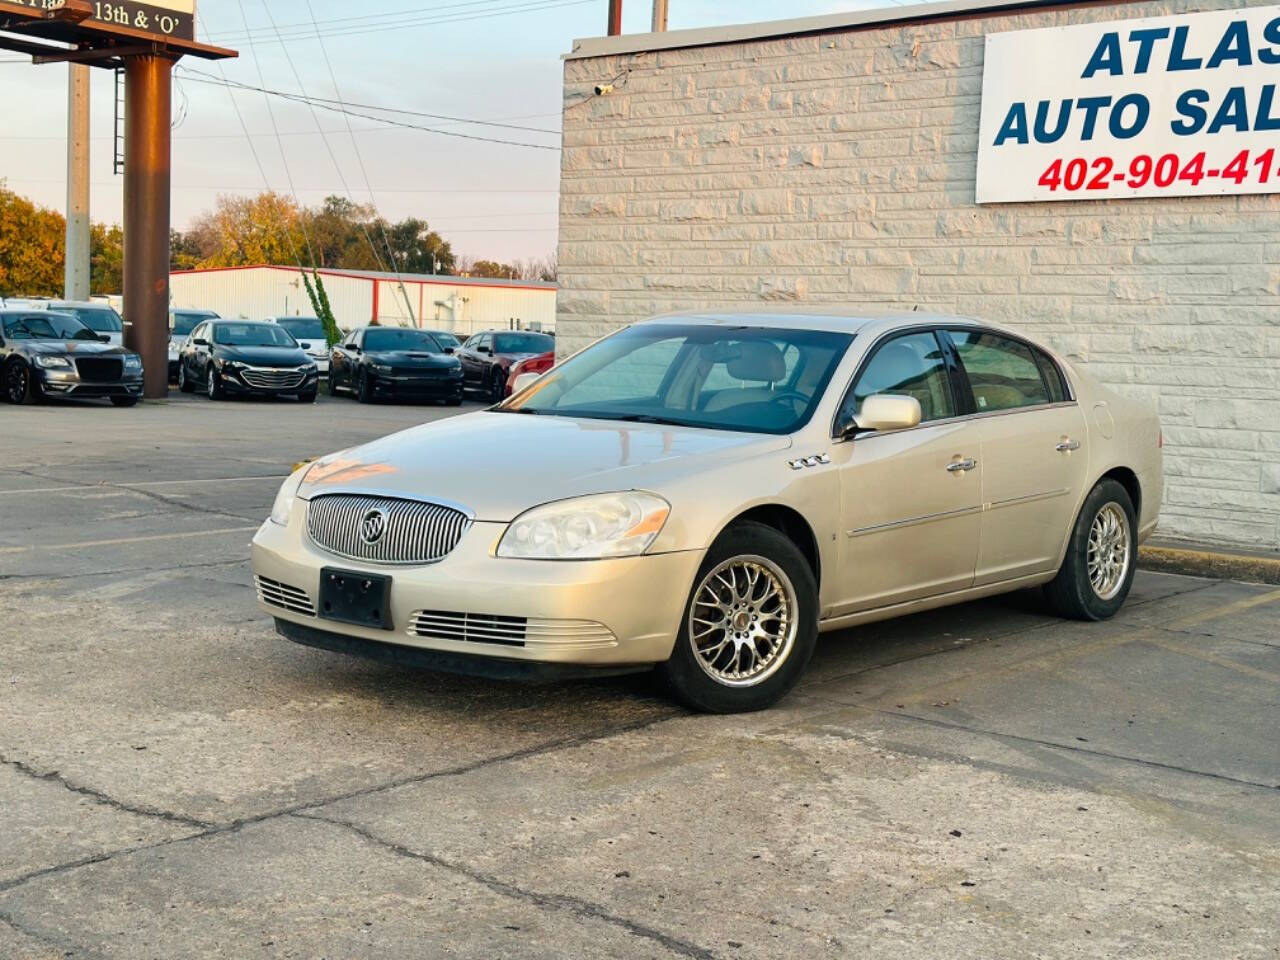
{"x": 236, "y": 382}
{"x": 416, "y": 388}
{"x": 66, "y": 383}
{"x": 601, "y": 613}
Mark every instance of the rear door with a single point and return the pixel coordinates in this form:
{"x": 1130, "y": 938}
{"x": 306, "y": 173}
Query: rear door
{"x": 1034, "y": 455}
{"x": 910, "y": 500}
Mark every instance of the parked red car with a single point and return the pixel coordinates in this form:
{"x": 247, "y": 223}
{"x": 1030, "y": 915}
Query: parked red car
{"x": 486, "y": 358}
{"x": 539, "y": 364}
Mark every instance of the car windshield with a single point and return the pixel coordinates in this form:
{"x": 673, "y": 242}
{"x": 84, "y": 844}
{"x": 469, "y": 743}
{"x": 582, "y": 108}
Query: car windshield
{"x": 46, "y": 326}
{"x": 184, "y": 321}
{"x": 390, "y": 338}
{"x": 523, "y": 343}
{"x": 304, "y": 328}
{"x": 252, "y": 335}
{"x": 444, "y": 338}
{"x": 102, "y": 319}
{"x": 752, "y": 379}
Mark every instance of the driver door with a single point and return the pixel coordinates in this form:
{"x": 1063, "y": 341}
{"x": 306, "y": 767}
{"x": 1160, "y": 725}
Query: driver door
{"x": 910, "y": 500}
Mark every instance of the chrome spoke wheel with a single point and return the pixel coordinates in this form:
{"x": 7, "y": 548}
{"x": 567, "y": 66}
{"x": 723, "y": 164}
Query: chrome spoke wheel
{"x": 1110, "y": 552}
{"x": 743, "y": 621}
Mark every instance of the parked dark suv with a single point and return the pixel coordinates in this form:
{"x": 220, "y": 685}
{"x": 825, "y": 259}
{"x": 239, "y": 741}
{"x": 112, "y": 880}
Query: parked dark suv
{"x": 245, "y": 357}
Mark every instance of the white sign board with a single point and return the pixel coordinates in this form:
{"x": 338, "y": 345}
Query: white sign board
{"x": 1167, "y": 106}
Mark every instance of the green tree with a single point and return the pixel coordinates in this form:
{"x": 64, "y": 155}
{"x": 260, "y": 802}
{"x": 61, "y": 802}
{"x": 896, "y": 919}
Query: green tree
{"x": 248, "y": 230}
{"x": 106, "y": 258}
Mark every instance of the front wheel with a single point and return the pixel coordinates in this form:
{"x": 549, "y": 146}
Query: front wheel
{"x": 364, "y": 389}
{"x": 18, "y": 387}
{"x": 750, "y": 624}
{"x": 184, "y": 382}
{"x": 1097, "y": 572}
{"x": 498, "y": 386}
{"x": 213, "y": 384}
{"x": 331, "y": 384}
{"x": 124, "y": 401}
{"x": 308, "y": 397}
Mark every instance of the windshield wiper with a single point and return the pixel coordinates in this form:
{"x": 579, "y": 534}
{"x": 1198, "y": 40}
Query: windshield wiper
{"x": 526, "y": 410}
{"x": 650, "y": 418}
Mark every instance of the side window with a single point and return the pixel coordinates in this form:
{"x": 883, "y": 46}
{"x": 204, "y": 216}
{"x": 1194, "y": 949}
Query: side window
{"x": 1003, "y": 373}
{"x": 1053, "y": 377}
{"x": 912, "y": 365}
{"x": 199, "y": 332}
{"x": 485, "y": 341}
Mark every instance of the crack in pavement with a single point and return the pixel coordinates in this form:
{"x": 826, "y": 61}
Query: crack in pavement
{"x": 180, "y": 504}
{"x": 214, "y": 830}
{"x": 1017, "y": 738}
{"x": 546, "y": 901}
{"x": 53, "y": 776}
{"x": 123, "y": 570}
{"x": 65, "y": 948}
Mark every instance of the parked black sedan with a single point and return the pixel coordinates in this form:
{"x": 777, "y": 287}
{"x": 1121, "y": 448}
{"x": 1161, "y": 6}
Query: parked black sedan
{"x": 397, "y": 363}
{"x": 247, "y": 358}
{"x": 48, "y": 354}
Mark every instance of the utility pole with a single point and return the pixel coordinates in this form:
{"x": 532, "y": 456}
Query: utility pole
{"x": 659, "y": 16}
{"x": 76, "y": 285}
{"x": 615, "y": 17}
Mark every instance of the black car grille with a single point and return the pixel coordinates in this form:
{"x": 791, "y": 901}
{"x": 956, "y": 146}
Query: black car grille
{"x": 270, "y": 378}
{"x": 410, "y": 531}
{"x": 99, "y": 369}
{"x": 421, "y": 373}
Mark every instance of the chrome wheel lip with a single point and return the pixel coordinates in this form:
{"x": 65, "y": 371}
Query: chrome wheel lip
{"x": 767, "y": 597}
{"x": 1110, "y": 551}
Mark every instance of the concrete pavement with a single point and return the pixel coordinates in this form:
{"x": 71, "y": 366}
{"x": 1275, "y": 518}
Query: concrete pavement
{"x": 177, "y": 781}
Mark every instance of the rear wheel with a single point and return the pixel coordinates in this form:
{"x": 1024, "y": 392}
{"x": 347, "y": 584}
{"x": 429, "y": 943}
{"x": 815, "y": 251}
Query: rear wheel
{"x": 750, "y": 624}
{"x": 124, "y": 401}
{"x": 1097, "y": 572}
{"x": 18, "y": 387}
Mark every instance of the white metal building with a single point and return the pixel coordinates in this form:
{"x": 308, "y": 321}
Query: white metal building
{"x": 1103, "y": 175}
{"x": 462, "y": 305}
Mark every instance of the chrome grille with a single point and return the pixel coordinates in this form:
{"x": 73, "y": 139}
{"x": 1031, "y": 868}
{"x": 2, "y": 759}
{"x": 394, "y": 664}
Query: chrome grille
{"x": 283, "y": 595}
{"x": 474, "y": 627}
{"x": 270, "y": 378}
{"x": 412, "y": 531}
{"x": 510, "y": 631}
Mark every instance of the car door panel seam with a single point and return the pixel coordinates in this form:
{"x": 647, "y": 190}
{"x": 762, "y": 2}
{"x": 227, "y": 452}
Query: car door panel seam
{"x": 913, "y": 521}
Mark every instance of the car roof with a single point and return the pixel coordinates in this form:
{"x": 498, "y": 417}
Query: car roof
{"x": 92, "y": 304}
{"x": 255, "y": 323}
{"x": 832, "y": 319}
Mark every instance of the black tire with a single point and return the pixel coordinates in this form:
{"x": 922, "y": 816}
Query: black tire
{"x": 453, "y": 402}
{"x": 497, "y": 385}
{"x": 18, "y": 385}
{"x": 331, "y": 384}
{"x": 124, "y": 401}
{"x": 184, "y": 382}
{"x": 213, "y": 384}
{"x": 308, "y": 397}
{"x": 364, "y": 391}
{"x": 1073, "y": 593}
{"x": 684, "y": 673}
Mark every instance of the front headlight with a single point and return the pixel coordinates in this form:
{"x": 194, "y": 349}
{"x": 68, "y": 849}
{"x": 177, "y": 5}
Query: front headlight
{"x": 233, "y": 365}
{"x": 381, "y": 368}
{"x": 587, "y": 528}
{"x": 283, "y": 505}
{"x": 133, "y": 362}
{"x": 52, "y": 363}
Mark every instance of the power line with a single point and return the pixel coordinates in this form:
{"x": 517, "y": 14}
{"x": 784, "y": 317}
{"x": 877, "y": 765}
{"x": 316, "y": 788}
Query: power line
{"x": 368, "y": 116}
{"x": 373, "y": 106}
{"x": 415, "y": 20}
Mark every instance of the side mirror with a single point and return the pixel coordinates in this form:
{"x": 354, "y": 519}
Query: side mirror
{"x": 104, "y": 338}
{"x": 483, "y": 350}
{"x": 523, "y": 380}
{"x": 885, "y": 412}
{"x": 200, "y": 342}
{"x": 449, "y": 350}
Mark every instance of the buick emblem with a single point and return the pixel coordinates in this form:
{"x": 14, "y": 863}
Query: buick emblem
{"x": 373, "y": 525}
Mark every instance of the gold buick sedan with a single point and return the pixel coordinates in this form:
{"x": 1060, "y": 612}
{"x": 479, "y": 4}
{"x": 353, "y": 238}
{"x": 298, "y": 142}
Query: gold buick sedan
{"x": 705, "y": 494}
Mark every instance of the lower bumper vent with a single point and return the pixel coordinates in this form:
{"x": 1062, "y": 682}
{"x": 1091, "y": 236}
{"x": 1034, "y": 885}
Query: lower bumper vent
{"x": 469, "y": 627}
{"x": 283, "y": 595}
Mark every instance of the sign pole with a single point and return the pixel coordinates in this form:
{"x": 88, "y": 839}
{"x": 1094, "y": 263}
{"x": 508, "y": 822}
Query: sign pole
{"x": 146, "y": 216}
{"x": 76, "y": 286}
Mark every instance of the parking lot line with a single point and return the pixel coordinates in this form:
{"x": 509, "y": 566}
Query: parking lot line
{"x": 122, "y": 540}
{"x": 1213, "y": 613}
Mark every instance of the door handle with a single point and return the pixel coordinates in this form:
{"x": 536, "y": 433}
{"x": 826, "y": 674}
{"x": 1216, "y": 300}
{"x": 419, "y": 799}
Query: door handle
{"x": 961, "y": 466}
{"x": 1066, "y": 446}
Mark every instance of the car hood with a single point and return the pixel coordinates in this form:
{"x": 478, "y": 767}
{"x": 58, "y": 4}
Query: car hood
{"x": 80, "y": 348}
{"x": 264, "y": 356}
{"x": 413, "y": 358}
{"x": 498, "y": 465}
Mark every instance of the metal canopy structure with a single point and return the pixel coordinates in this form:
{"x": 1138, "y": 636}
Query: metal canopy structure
{"x": 145, "y": 39}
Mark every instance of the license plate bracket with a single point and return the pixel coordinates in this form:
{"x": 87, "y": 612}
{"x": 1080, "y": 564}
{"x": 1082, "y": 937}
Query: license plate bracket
{"x": 350, "y": 596}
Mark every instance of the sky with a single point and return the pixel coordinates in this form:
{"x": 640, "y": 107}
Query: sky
{"x": 473, "y": 59}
